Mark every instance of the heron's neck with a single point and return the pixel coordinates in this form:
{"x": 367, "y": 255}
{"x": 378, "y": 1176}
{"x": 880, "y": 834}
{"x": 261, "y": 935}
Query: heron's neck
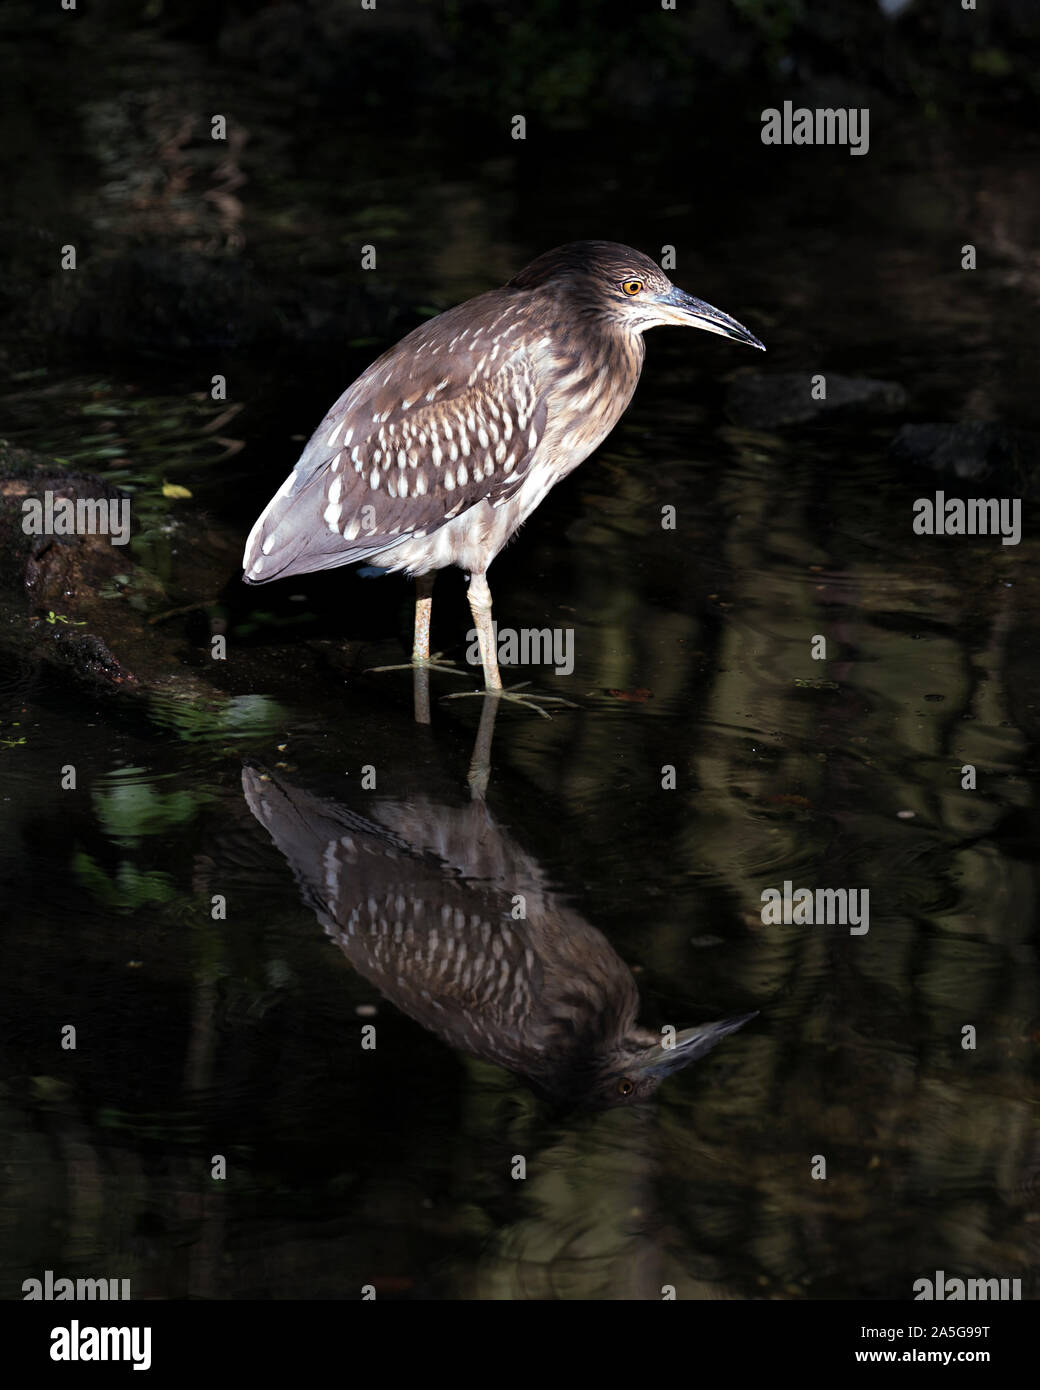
{"x": 613, "y": 357}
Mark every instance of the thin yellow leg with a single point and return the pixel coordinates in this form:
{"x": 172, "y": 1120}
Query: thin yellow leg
{"x": 480, "y": 607}
{"x": 423, "y": 613}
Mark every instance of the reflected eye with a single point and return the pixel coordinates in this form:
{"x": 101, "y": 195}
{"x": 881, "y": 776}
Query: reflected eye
{"x": 625, "y": 1087}
{"x": 631, "y": 286}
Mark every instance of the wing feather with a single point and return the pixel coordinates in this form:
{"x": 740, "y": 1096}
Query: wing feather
{"x": 448, "y": 418}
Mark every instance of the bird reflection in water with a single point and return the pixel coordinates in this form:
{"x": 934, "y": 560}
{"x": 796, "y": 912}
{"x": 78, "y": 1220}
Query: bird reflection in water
{"x": 422, "y": 901}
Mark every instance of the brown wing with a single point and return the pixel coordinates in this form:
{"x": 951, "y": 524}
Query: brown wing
{"x": 443, "y": 949}
{"x": 447, "y": 418}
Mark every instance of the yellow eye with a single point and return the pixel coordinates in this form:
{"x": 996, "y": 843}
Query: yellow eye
{"x": 631, "y": 286}
{"x": 625, "y": 1087}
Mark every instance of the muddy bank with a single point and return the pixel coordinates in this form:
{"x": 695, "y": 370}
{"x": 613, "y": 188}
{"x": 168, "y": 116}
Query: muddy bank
{"x": 87, "y": 609}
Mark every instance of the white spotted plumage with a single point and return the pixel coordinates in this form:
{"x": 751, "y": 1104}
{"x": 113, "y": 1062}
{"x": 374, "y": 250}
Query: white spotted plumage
{"x": 450, "y": 452}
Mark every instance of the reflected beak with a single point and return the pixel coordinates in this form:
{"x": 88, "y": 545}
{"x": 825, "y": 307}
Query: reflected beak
{"x": 690, "y": 1044}
{"x": 681, "y": 308}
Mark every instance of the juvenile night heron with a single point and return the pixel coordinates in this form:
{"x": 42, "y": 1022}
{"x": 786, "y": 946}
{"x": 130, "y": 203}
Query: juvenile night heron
{"x": 446, "y": 444}
{"x": 422, "y": 903}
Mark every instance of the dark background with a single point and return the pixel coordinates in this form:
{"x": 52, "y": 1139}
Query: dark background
{"x": 243, "y": 258}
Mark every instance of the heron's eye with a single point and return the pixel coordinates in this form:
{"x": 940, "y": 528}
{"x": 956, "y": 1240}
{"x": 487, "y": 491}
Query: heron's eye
{"x": 625, "y": 1087}
{"x": 631, "y": 286}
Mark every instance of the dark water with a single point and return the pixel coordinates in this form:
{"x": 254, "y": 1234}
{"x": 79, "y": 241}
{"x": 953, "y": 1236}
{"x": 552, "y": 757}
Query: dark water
{"x": 242, "y": 1037}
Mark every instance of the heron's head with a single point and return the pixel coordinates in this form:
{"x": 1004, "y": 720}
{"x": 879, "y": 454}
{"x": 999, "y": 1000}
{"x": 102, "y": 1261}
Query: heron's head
{"x": 630, "y": 1070}
{"x": 627, "y": 288}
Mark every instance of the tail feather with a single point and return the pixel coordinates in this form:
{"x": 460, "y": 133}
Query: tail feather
{"x": 291, "y": 537}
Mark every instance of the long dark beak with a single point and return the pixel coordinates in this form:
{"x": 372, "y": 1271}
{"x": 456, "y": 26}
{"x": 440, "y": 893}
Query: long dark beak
{"x": 695, "y": 313}
{"x": 689, "y": 1044}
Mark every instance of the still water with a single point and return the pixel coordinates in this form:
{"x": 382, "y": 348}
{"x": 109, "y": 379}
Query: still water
{"x": 191, "y": 908}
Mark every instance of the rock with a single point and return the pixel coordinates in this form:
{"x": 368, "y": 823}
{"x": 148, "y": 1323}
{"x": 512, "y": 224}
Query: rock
{"x": 764, "y": 400}
{"x": 101, "y": 618}
{"x": 51, "y": 568}
{"x": 61, "y": 576}
{"x": 975, "y": 449}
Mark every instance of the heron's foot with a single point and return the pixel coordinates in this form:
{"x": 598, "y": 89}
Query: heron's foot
{"x": 422, "y": 663}
{"x": 515, "y": 698}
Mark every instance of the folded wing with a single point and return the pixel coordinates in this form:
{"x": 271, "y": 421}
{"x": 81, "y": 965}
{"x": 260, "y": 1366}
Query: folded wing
{"x": 448, "y": 418}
